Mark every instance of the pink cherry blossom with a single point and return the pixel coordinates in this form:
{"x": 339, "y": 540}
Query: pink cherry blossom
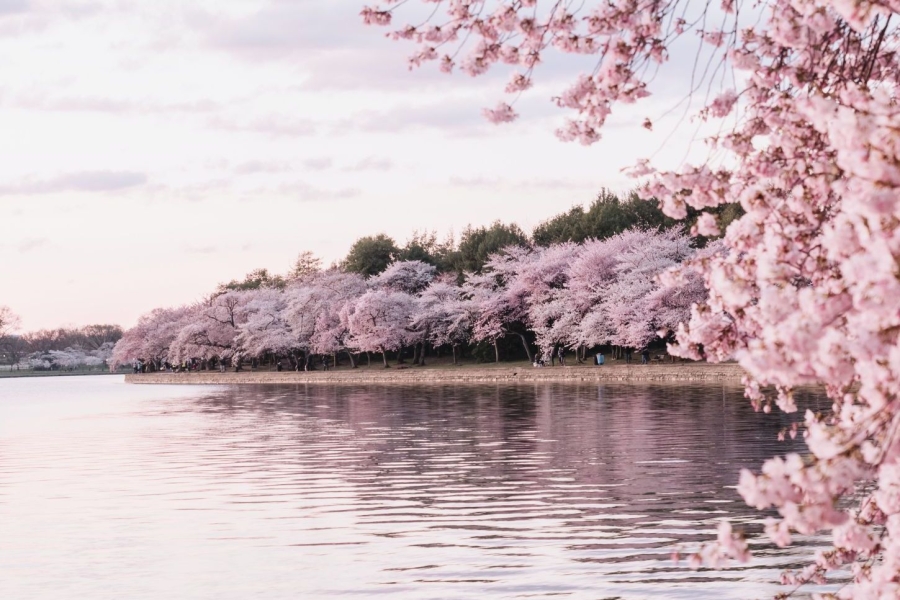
{"x": 805, "y": 288}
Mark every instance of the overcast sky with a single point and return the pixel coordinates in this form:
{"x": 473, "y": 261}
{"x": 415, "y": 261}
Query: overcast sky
{"x": 153, "y": 149}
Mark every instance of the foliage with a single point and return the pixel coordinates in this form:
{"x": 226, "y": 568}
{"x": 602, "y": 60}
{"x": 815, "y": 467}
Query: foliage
{"x": 409, "y": 276}
{"x": 371, "y": 255}
{"x": 606, "y": 216}
{"x": 306, "y": 265}
{"x": 477, "y": 244}
{"x": 254, "y": 280}
{"x": 524, "y": 293}
{"x": 609, "y": 215}
{"x": 424, "y": 246}
{"x": 69, "y": 359}
{"x": 9, "y": 321}
{"x": 806, "y": 288}
{"x": 379, "y": 321}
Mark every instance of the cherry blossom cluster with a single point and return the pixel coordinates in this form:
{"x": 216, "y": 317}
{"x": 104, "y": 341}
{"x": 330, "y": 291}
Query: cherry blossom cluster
{"x": 571, "y": 295}
{"x": 807, "y": 290}
{"x": 73, "y": 357}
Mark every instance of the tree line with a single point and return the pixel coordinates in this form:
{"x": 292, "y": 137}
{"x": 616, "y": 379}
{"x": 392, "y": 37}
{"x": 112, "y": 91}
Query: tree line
{"x": 467, "y": 272}
{"x": 572, "y": 295}
{"x": 59, "y": 348}
{"x": 607, "y": 215}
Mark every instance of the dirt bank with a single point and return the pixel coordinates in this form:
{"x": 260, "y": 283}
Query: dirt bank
{"x": 730, "y": 372}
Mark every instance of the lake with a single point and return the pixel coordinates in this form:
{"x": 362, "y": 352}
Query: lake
{"x": 110, "y": 490}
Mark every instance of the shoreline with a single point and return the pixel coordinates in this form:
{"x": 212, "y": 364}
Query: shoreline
{"x": 33, "y": 374}
{"x": 678, "y": 372}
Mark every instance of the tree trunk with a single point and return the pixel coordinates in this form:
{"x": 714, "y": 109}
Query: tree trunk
{"x": 415, "y": 360}
{"x": 421, "y": 346}
{"x": 352, "y": 362}
{"x": 527, "y": 349}
{"x": 400, "y": 356}
{"x": 496, "y": 351}
{"x": 368, "y": 359}
{"x": 453, "y": 346}
{"x": 384, "y": 358}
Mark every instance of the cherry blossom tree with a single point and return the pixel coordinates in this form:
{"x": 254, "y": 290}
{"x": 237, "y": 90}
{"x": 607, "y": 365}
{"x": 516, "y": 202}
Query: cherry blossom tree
{"x": 9, "y": 321}
{"x": 633, "y": 304}
{"x": 496, "y": 308}
{"x": 807, "y": 288}
{"x": 266, "y": 328}
{"x": 537, "y": 285}
{"x": 214, "y": 331}
{"x": 74, "y": 357}
{"x": 580, "y": 315}
{"x": 9, "y": 342}
{"x": 317, "y": 311}
{"x": 152, "y": 338}
{"x": 379, "y": 321}
{"x": 409, "y": 276}
{"x": 443, "y": 315}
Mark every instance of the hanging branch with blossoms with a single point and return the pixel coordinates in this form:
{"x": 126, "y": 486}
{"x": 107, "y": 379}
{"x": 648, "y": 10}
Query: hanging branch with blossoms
{"x": 807, "y": 290}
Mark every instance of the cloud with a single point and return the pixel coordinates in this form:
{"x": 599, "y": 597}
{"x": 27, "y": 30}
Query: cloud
{"x": 84, "y": 181}
{"x": 29, "y": 244}
{"x": 43, "y": 101}
{"x": 305, "y": 192}
{"x": 330, "y": 43}
{"x": 199, "y": 191}
{"x": 191, "y": 249}
{"x": 483, "y": 181}
{"x": 459, "y": 117}
{"x": 283, "y": 28}
{"x": 318, "y": 163}
{"x": 270, "y": 125}
{"x": 258, "y": 166}
{"x": 371, "y": 163}
{"x": 8, "y": 7}
{"x": 19, "y": 17}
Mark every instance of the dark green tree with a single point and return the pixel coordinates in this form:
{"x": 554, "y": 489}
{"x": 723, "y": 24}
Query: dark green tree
{"x": 306, "y": 265}
{"x": 477, "y": 244}
{"x": 608, "y": 215}
{"x": 424, "y": 246}
{"x": 605, "y": 217}
{"x": 255, "y": 279}
{"x": 371, "y": 255}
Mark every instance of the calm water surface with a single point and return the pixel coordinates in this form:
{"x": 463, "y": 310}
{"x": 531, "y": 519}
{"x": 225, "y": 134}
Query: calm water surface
{"x": 109, "y": 490}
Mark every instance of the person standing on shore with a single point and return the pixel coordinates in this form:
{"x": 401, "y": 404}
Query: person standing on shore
{"x": 645, "y": 357}
{"x": 628, "y": 356}
{"x": 562, "y": 356}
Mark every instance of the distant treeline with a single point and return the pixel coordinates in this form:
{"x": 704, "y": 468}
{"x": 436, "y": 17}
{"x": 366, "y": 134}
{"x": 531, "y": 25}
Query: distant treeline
{"x": 585, "y": 279}
{"x": 60, "y": 347}
{"x": 452, "y": 259}
{"x": 606, "y": 216}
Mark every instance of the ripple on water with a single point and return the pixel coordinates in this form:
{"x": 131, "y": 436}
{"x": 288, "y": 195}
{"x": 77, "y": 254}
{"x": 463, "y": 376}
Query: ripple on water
{"x": 537, "y": 491}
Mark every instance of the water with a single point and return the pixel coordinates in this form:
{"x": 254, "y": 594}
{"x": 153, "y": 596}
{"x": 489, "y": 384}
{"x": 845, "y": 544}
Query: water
{"x": 110, "y": 490}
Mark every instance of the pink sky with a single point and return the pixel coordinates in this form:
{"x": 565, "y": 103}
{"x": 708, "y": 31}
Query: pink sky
{"x": 154, "y": 149}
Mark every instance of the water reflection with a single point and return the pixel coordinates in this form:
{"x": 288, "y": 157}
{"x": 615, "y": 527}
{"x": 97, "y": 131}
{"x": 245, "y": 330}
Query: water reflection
{"x": 534, "y": 491}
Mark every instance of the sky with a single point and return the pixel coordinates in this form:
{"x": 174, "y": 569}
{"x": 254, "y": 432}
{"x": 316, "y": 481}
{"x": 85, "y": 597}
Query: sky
{"x": 151, "y": 150}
